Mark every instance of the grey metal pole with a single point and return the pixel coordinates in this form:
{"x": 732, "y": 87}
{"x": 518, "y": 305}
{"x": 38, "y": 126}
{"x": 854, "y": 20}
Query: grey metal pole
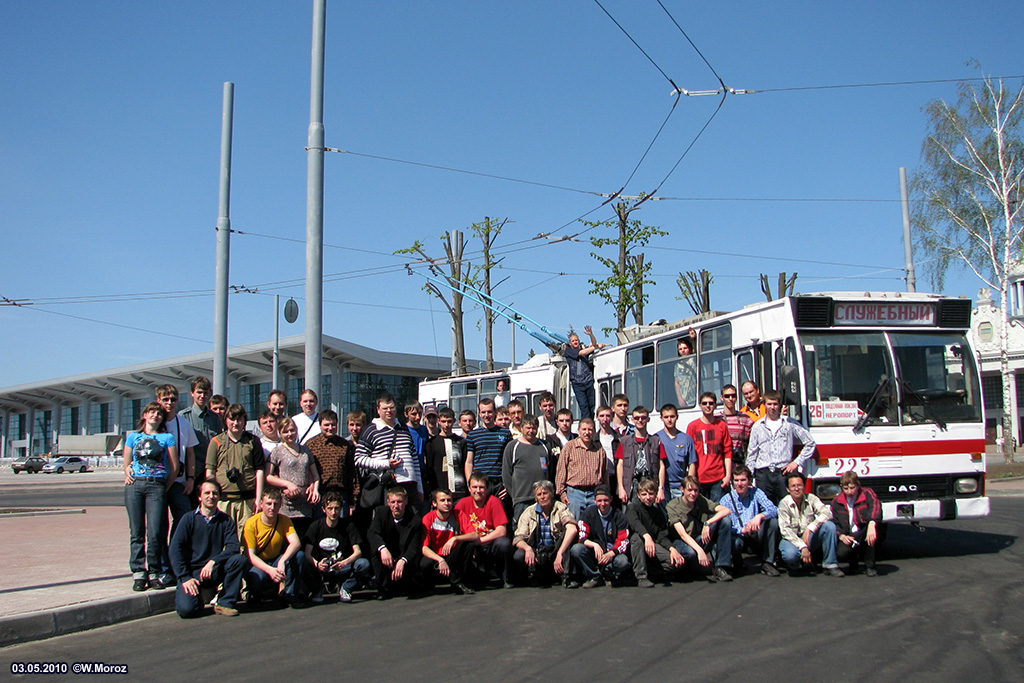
{"x": 908, "y": 247}
{"x": 315, "y": 203}
{"x": 220, "y": 315}
{"x": 513, "y": 326}
{"x": 277, "y": 342}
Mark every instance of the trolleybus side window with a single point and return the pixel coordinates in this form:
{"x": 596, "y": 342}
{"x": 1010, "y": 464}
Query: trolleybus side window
{"x": 938, "y": 377}
{"x": 745, "y": 368}
{"x": 715, "y": 358}
{"x": 463, "y": 396}
{"x": 640, "y": 375}
{"x": 677, "y": 375}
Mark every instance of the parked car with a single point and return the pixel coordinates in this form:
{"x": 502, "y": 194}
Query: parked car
{"x": 31, "y": 464}
{"x": 66, "y": 463}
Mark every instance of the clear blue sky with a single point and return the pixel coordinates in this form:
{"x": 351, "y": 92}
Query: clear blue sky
{"x": 110, "y": 126}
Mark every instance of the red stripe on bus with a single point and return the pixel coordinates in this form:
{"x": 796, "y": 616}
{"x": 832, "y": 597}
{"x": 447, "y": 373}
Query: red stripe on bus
{"x": 898, "y": 448}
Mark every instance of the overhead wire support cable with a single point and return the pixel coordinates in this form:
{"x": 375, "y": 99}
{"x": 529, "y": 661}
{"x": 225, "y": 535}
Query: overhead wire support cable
{"x": 459, "y": 170}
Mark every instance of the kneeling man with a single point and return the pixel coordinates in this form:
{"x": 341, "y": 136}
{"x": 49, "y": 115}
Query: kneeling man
{"x": 204, "y": 553}
{"x": 544, "y": 535}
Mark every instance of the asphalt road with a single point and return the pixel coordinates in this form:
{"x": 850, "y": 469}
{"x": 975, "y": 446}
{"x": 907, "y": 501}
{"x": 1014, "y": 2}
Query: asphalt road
{"x": 947, "y": 604}
{"x": 99, "y": 488}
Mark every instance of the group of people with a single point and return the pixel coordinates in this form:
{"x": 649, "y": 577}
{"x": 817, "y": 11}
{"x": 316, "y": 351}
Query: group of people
{"x": 296, "y": 511}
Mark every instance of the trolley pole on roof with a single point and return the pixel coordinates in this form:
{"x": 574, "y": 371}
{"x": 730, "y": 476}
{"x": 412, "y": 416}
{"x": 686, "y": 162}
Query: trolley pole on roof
{"x": 220, "y": 315}
{"x": 315, "y": 204}
{"x": 908, "y": 248}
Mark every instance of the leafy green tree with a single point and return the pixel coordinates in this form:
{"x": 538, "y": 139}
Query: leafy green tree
{"x": 969, "y": 186}
{"x": 624, "y": 288}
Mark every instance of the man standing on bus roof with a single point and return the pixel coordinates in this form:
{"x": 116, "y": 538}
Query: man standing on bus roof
{"x": 739, "y": 424}
{"x": 685, "y": 372}
{"x": 770, "y": 452}
{"x": 581, "y": 370}
{"x": 754, "y": 407}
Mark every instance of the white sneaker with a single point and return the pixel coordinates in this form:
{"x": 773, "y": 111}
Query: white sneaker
{"x": 344, "y": 596}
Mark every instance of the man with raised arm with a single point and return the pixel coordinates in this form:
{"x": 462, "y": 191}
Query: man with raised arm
{"x": 581, "y": 370}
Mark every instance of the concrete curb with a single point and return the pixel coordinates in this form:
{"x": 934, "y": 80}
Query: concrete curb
{"x": 22, "y": 628}
{"x": 40, "y": 513}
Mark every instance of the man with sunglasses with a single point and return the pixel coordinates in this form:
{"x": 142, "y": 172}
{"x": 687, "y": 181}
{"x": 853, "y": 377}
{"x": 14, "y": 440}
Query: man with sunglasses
{"x": 738, "y": 422}
{"x": 713, "y": 444}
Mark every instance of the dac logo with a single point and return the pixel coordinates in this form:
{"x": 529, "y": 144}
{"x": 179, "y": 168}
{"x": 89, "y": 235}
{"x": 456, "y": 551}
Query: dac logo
{"x": 903, "y": 488}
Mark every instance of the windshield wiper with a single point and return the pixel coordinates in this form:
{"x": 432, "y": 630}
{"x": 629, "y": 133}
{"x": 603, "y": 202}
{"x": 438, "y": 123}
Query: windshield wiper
{"x": 876, "y": 397}
{"x": 925, "y": 406}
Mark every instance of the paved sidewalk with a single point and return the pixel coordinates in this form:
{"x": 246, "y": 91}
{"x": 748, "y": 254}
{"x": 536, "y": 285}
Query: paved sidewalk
{"x": 69, "y": 572}
{"x": 66, "y": 572}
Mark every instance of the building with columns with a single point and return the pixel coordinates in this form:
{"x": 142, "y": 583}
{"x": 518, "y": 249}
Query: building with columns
{"x": 35, "y": 415}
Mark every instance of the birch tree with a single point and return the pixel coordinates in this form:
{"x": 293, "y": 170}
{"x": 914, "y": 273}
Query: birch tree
{"x": 968, "y": 213}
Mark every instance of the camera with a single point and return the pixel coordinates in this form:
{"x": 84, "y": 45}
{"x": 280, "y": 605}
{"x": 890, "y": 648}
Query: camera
{"x": 233, "y": 475}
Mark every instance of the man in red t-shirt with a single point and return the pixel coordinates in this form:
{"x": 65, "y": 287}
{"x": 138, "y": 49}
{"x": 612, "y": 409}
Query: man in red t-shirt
{"x": 483, "y": 514}
{"x": 446, "y": 550}
{"x": 713, "y": 444}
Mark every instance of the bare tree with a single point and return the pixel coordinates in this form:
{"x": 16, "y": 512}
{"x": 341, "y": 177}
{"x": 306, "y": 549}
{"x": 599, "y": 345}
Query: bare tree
{"x": 488, "y": 231}
{"x": 970, "y": 190}
{"x": 624, "y": 288}
{"x": 695, "y": 288}
{"x": 457, "y": 273}
{"x": 784, "y": 289}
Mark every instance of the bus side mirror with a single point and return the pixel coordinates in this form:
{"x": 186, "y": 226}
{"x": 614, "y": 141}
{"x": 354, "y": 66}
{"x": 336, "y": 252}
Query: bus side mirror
{"x": 790, "y": 385}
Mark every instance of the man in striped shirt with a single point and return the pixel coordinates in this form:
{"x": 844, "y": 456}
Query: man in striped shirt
{"x": 386, "y": 445}
{"x": 485, "y": 446}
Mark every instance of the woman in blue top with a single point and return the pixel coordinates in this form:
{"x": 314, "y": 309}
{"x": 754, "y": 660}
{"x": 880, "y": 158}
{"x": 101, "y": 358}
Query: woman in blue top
{"x": 150, "y": 467}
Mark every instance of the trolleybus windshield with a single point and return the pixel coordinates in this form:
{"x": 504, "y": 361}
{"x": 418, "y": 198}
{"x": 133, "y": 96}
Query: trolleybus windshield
{"x": 850, "y": 378}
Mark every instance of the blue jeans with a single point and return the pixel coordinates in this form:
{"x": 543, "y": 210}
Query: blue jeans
{"x": 765, "y": 543}
{"x": 719, "y": 544}
{"x": 713, "y": 491}
{"x": 146, "y": 502}
{"x": 348, "y": 576}
{"x": 579, "y": 500}
{"x": 258, "y": 580}
{"x": 584, "y": 399}
{"x": 583, "y": 557}
{"x": 229, "y": 572}
{"x": 823, "y": 539}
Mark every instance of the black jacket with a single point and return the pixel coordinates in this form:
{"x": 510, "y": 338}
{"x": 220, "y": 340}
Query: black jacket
{"x": 403, "y": 538}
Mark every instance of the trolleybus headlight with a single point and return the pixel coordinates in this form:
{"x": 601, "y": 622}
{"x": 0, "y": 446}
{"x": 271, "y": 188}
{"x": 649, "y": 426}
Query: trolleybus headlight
{"x": 966, "y": 485}
{"x": 827, "y": 490}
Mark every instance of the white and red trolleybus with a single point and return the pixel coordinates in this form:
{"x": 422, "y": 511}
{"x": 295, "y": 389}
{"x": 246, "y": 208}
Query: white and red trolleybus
{"x": 887, "y": 383}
